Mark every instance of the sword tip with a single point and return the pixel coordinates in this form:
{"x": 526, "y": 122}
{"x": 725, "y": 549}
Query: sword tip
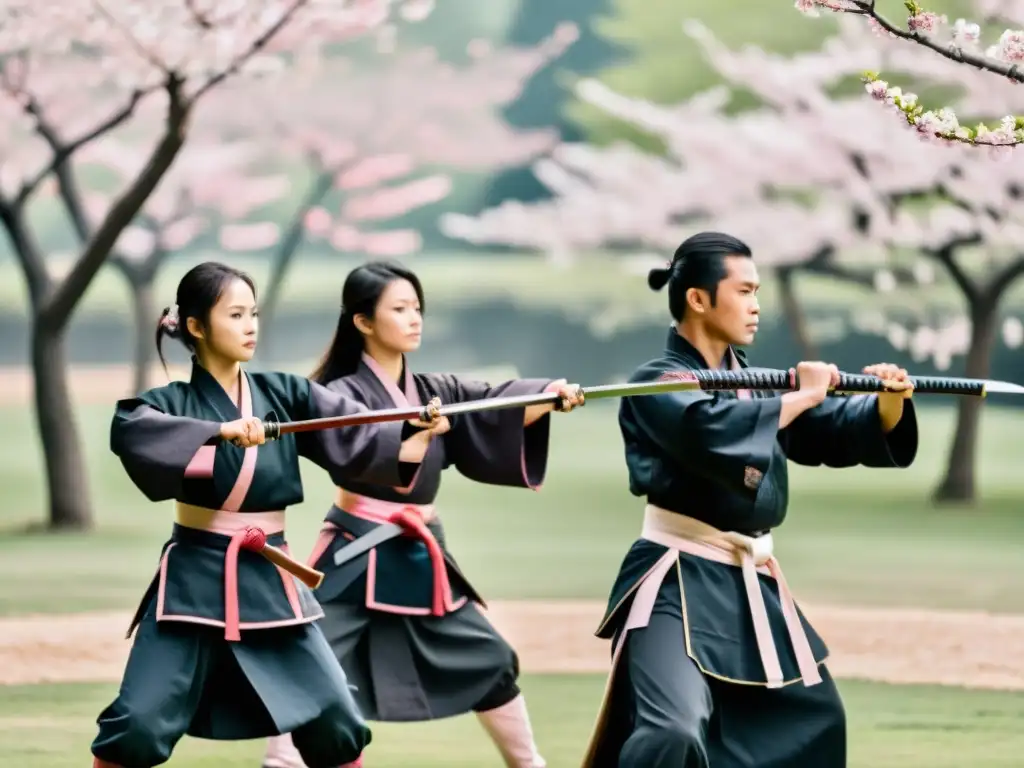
{"x": 993, "y": 387}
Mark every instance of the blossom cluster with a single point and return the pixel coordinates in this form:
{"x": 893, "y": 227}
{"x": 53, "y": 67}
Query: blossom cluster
{"x": 959, "y": 42}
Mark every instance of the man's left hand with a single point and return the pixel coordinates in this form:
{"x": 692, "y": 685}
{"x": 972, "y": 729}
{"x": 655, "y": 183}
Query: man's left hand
{"x": 898, "y": 388}
{"x": 897, "y": 380}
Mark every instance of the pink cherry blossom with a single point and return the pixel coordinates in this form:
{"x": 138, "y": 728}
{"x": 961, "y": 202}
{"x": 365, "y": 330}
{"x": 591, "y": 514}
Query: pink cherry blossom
{"x": 810, "y": 180}
{"x": 380, "y": 139}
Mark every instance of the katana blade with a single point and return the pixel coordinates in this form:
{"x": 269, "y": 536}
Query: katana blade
{"x": 993, "y": 387}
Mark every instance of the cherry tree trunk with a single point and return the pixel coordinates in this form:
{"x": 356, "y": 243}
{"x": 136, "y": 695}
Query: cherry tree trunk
{"x": 66, "y": 477}
{"x": 959, "y": 483}
{"x": 794, "y": 314}
{"x": 286, "y": 251}
{"x": 144, "y": 317}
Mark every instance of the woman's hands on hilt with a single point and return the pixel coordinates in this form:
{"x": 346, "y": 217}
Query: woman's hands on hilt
{"x": 569, "y": 395}
{"x": 245, "y": 433}
{"x": 436, "y": 423}
{"x": 415, "y": 447}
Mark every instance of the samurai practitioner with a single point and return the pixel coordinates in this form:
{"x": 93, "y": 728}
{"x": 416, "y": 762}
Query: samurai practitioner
{"x": 713, "y": 664}
{"x": 226, "y": 646}
{"x": 400, "y": 615}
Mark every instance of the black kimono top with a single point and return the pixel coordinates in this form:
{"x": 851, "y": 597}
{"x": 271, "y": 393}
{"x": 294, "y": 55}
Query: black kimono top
{"x": 724, "y": 461}
{"x": 490, "y": 447}
{"x": 160, "y": 434}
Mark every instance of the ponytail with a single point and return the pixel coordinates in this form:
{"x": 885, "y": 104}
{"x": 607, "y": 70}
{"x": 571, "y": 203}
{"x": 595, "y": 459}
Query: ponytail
{"x": 658, "y": 278}
{"x": 168, "y": 325}
{"x": 344, "y": 353}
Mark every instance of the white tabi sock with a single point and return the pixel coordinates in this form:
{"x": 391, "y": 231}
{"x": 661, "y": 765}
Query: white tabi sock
{"x": 509, "y": 728}
{"x": 281, "y": 753}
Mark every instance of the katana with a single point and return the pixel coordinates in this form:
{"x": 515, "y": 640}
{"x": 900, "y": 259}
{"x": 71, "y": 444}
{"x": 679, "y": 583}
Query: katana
{"x": 750, "y": 379}
{"x": 754, "y": 379}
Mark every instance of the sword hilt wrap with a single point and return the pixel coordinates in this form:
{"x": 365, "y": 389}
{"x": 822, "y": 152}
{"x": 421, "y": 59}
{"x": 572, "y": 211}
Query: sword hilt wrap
{"x": 750, "y": 378}
{"x": 271, "y": 430}
{"x": 848, "y": 382}
{"x": 928, "y": 385}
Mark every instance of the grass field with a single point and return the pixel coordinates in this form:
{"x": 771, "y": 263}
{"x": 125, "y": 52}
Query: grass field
{"x": 890, "y": 727}
{"x": 853, "y": 536}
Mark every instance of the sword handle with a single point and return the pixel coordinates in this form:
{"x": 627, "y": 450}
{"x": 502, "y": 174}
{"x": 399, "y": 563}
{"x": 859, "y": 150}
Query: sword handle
{"x": 748, "y": 378}
{"x": 769, "y": 379}
{"x": 927, "y": 385}
{"x": 271, "y": 430}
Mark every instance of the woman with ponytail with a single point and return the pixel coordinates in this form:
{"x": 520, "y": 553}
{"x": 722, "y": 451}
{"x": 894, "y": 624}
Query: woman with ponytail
{"x": 712, "y": 663}
{"x": 401, "y": 616}
{"x": 226, "y": 646}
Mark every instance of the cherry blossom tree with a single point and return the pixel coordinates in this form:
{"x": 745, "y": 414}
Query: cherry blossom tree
{"x": 976, "y": 203}
{"x": 376, "y": 140}
{"x": 73, "y": 72}
{"x": 959, "y": 43}
{"x": 815, "y": 184}
{"x": 210, "y": 183}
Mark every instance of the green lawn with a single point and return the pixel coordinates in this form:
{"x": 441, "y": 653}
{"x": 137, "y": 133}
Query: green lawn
{"x": 51, "y": 726}
{"x": 859, "y": 536}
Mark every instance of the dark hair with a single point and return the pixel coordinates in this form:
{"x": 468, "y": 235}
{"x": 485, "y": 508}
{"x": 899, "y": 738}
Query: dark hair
{"x": 198, "y": 291}
{"x": 699, "y": 262}
{"x": 359, "y": 296}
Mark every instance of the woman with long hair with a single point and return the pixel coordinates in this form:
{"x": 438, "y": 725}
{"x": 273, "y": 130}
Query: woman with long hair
{"x": 227, "y": 647}
{"x": 400, "y": 615}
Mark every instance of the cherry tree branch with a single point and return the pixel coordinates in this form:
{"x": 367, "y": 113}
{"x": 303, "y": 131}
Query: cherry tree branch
{"x": 941, "y": 123}
{"x": 952, "y": 52}
{"x": 59, "y": 306}
{"x": 318, "y": 190}
{"x": 1003, "y": 279}
{"x": 63, "y": 151}
{"x": 142, "y": 50}
{"x": 200, "y": 18}
{"x": 257, "y": 45}
{"x": 946, "y": 256}
{"x": 28, "y": 253}
{"x": 823, "y": 264}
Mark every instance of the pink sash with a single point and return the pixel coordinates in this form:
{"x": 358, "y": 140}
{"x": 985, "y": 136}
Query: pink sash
{"x": 241, "y": 531}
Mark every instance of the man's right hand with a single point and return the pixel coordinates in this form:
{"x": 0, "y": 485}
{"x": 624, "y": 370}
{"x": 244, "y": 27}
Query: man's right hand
{"x": 816, "y": 378}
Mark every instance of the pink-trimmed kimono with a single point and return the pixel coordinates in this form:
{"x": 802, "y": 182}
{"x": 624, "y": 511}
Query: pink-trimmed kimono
{"x": 227, "y": 647}
{"x": 402, "y": 618}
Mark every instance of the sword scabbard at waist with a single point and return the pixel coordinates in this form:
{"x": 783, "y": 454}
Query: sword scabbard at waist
{"x": 247, "y": 530}
{"x": 413, "y": 519}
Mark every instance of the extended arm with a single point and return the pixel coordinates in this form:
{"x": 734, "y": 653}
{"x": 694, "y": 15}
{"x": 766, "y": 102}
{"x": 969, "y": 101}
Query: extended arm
{"x": 158, "y": 450}
{"x": 851, "y": 431}
{"x": 380, "y": 454}
{"x": 502, "y": 447}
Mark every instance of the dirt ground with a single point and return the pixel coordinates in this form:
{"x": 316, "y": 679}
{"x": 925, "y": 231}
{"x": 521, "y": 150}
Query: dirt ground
{"x": 900, "y": 646}
{"x": 89, "y": 384}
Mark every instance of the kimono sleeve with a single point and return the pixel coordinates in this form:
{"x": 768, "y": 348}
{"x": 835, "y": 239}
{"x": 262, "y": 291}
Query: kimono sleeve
{"x": 847, "y": 432}
{"x": 366, "y": 453}
{"x": 159, "y": 450}
{"x": 728, "y": 441}
{"x": 494, "y": 447}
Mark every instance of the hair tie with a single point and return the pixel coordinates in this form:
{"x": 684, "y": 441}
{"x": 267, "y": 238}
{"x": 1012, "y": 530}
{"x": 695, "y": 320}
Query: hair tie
{"x": 170, "y": 319}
